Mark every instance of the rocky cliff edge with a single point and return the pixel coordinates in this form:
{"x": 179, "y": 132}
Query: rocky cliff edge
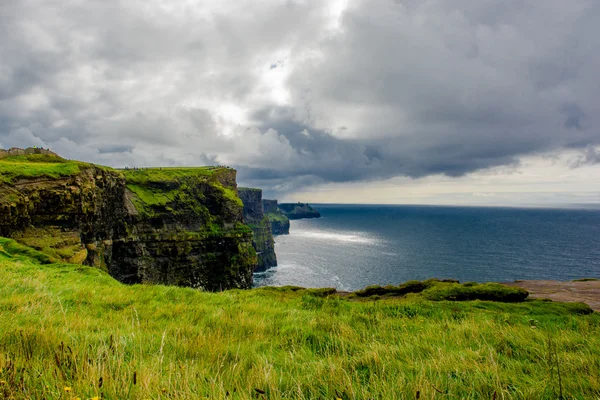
{"x": 177, "y": 226}
{"x": 280, "y": 223}
{"x": 260, "y": 224}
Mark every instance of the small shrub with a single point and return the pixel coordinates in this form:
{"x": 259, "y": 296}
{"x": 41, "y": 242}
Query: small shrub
{"x": 400, "y": 290}
{"x": 578, "y": 308}
{"x": 487, "y": 291}
{"x": 321, "y": 292}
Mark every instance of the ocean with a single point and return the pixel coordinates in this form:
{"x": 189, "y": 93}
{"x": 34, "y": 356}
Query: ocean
{"x": 353, "y": 246}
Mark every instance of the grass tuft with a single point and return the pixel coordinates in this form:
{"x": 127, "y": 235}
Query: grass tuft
{"x": 487, "y": 291}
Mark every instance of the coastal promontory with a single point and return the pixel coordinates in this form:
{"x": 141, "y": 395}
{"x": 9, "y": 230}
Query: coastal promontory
{"x": 176, "y": 226}
{"x": 298, "y": 211}
{"x": 258, "y": 221}
{"x": 280, "y": 223}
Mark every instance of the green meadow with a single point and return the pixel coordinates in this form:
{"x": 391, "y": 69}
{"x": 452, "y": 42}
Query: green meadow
{"x": 72, "y": 332}
{"x": 36, "y": 166}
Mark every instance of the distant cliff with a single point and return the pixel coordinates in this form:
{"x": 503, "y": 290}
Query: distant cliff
{"x": 299, "y": 211}
{"x": 280, "y": 224}
{"x": 15, "y": 151}
{"x": 258, "y": 221}
{"x": 177, "y": 226}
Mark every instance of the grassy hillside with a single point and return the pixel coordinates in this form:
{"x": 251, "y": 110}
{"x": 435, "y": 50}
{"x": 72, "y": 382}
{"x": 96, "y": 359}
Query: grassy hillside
{"x": 36, "y": 166}
{"x": 68, "y": 331}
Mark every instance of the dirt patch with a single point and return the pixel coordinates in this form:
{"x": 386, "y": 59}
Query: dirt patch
{"x": 585, "y": 292}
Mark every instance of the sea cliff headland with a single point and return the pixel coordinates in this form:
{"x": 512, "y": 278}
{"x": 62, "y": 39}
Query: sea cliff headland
{"x": 258, "y": 221}
{"x": 299, "y": 210}
{"x": 280, "y": 223}
{"x": 177, "y": 226}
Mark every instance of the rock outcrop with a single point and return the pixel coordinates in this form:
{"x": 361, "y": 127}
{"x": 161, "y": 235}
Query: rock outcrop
{"x": 15, "y": 151}
{"x": 176, "y": 226}
{"x": 299, "y": 211}
{"x": 280, "y": 224}
{"x": 256, "y": 219}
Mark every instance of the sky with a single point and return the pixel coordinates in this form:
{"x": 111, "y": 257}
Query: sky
{"x": 466, "y": 102}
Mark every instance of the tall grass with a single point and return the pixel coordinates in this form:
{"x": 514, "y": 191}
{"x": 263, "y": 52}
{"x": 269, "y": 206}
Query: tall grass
{"x": 68, "y": 331}
{"x": 23, "y": 167}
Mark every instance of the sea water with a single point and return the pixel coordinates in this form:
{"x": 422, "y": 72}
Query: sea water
{"x": 353, "y": 246}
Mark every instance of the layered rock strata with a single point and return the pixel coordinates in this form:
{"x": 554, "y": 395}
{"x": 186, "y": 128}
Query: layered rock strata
{"x": 176, "y": 226}
{"x": 261, "y": 228}
{"x": 280, "y": 224}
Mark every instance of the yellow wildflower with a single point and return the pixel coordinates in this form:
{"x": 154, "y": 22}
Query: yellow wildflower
{"x": 67, "y": 389}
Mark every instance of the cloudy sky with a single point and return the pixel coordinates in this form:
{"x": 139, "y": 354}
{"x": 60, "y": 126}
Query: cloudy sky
{"x": 379, "y": 101}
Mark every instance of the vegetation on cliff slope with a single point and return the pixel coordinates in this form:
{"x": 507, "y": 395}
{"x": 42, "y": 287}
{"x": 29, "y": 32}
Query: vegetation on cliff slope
{"x": 277, "y": 217}
{"x": 32, "y": 166}
{"x": 157, "y": 188}
{"x": 179, "y": 226}
{"x": 70, "y": 331}
{"x": 299, "y": 210}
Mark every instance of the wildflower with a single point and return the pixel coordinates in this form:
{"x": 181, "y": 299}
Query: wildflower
{"x": 95, "y": 398}
{"x": 67, "y": 389}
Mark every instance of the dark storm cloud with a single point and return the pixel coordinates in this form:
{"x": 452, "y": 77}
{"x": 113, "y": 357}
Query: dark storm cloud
{"x": 574, "y": 116}
{"x": 293, "y": 95}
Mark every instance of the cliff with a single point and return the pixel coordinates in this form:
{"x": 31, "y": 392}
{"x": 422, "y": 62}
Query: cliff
{"x": 256, "y": 219}
{"x": 15, "y": 151}
{"x": 299, "y": 211}
{"x": 177, "y": 226}
{"x": 280, "y": 224}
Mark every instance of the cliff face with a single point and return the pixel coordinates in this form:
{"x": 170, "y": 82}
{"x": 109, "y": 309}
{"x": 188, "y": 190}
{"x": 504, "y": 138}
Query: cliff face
{"x": 280, "y": 224}
{"x": 70, "y": 217}
{"x": 261, "y": 227}
{"x": 299, "y": 211}
{"x": 180, "y": 226}
{"x": 186, "y": 228}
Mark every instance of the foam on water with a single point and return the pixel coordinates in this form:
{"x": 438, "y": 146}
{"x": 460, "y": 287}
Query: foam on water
{"x": 349, "y": 237}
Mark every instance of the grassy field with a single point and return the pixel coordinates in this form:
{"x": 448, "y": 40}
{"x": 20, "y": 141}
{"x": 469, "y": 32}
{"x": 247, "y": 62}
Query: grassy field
{"x": 36, "y": 166}
{"x": 149, "y": 176}
{"x": 72, "y": 332}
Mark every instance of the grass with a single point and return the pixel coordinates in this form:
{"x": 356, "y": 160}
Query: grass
{"x": 279, "y": 217}
{"x": 149, "y": 176}
{"x": 162, "y": 189}
{"x": 62, "y": 246}
{"x": 69, "y": 331}
{"x": 15, "y": 168}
